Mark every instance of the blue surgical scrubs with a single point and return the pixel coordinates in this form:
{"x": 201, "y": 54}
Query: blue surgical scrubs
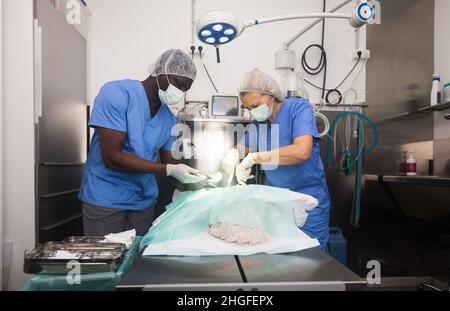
{"x": 123, "y": 106}
{"x": 296, "y": 118}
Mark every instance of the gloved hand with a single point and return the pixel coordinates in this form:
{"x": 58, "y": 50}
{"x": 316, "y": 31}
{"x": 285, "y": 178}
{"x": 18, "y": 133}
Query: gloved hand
{"x": 230, "y": 161}
{"x": 229, "y": 164}
{"x": 184, "y": 174}
{"x": 212, "y": 180}
{"x": 244, "y": 169}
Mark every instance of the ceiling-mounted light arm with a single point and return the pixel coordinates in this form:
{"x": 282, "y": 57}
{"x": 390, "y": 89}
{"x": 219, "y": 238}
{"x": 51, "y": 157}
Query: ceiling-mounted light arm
{"x": 296, "y": 16}
{"x": 288, "y": 43}
{"x": 365, "y": 11}
{"x": 219, "y": 27}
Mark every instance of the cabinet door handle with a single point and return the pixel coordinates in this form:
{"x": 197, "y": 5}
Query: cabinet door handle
{"x": 37, "y": 71}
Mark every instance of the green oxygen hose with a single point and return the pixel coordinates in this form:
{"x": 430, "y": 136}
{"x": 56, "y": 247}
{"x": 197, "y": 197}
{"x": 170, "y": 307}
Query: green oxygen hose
{"x": 358, "y": 187}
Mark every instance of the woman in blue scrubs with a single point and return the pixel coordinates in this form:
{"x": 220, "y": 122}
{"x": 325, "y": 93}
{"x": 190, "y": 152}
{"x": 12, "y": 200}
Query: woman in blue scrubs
{"x": 294, "y": 161}
{"x": 132, "y": 142}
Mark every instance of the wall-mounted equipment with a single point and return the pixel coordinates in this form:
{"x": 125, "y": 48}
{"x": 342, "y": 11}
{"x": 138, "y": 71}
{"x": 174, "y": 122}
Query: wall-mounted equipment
{"x": 224, "y": 106}
{"x": 218, "y": 27}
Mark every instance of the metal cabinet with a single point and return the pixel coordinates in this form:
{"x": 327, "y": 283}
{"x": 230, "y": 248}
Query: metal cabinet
{"x": 61, "y": 123}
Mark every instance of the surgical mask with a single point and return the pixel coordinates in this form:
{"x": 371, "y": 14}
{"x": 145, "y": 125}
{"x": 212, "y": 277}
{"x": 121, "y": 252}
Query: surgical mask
{"x": 262, "y": 113}
{"x": 172, "y": 96}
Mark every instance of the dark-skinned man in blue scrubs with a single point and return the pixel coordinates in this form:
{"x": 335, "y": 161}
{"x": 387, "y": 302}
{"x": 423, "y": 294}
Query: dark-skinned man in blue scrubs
{"x": 131, "y": 144}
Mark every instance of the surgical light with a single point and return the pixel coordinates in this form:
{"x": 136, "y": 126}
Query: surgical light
{"x": 217, "y": 27}
{"x": 217, "y": 24}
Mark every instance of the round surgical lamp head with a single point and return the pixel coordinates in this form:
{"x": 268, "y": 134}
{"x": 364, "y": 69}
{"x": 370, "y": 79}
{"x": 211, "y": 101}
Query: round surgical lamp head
{"x": 362, "y": 14}
{"x": 218, "y": 27}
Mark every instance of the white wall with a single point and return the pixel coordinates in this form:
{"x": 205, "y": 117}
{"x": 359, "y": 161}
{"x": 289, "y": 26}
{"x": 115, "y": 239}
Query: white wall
{"x": 1, "y": 153}
{"x": 126, "y": 36}
{"x": 18, "y": 223}
{"x": 442, "y": 60}
{"x": 442, "y": 39}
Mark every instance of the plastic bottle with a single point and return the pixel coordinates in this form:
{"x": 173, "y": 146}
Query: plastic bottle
{"x": 435, "y": 90}
{"x": 411, "y": 165}
{"x": 403, "y": 163}
{"x": 446, "y": 93}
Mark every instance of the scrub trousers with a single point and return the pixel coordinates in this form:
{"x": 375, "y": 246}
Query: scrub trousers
{"x": 100, "y": 221}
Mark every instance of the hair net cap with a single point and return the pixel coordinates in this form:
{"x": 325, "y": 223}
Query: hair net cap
{"x": 259, "y": 82}
{"x": 174, "y": 62}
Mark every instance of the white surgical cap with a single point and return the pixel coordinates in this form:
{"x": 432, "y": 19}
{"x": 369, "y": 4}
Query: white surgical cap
{"x": 257, "y": 81}
{"x": 174, "y": 62}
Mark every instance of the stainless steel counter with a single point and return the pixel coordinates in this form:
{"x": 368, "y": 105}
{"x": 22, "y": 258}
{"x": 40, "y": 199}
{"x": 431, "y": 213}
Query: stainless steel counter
{"x": 438, "y": 181}
{"x": 310, "y": 269}
{"x": 310, "y": 266}
{"x": 163, "y": 271}
{"x": 419, "y": 197}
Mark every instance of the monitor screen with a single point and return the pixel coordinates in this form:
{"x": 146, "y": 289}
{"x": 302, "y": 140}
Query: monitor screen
{"x": 225, "y": 106}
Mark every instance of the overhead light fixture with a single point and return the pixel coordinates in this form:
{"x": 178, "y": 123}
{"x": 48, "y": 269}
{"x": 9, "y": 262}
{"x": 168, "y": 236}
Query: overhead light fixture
{"x": 218, "y": 27}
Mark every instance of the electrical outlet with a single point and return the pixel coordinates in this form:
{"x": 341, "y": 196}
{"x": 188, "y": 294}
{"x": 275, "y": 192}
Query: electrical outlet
{"x": 365, "y": 54}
